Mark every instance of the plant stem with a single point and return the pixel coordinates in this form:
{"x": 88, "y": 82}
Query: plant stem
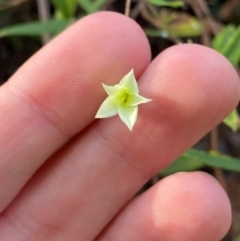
{"x": 137, "y": 9}
{"x": 214, "y": 146}
{"x": 44, "y": 14}
{"x": 127, "y": 8}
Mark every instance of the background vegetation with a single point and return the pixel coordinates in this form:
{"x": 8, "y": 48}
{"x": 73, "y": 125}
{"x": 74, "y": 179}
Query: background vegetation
{"x": 26, "y": 25}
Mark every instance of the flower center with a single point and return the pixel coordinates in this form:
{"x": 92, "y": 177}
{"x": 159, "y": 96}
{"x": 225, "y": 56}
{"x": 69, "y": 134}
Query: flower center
{"x": 124, "y": 98}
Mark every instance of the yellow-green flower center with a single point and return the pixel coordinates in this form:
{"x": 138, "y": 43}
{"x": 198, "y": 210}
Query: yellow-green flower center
{"x": 124, "y": 98}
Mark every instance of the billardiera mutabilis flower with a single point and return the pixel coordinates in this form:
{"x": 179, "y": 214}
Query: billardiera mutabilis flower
{"x": 123, "y": 99}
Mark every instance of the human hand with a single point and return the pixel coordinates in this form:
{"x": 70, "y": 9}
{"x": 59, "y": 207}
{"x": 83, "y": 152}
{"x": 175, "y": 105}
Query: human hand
{"x": 66, "y": 176}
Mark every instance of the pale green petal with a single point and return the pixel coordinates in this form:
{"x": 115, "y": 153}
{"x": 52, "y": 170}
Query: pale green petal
{"x": 129, "y": 82}
{"x": 107, "y": 109}
{"x": 135, "y": 99}
{"x": 128, "y": 115}
{"x": 111, "y": 90}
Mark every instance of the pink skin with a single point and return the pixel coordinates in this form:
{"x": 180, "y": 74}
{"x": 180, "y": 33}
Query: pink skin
{"x": 87, "y": 180}
{"x": 184, "y": 206}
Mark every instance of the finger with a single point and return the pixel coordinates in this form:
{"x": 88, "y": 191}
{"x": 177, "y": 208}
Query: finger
{"x": 181, "y": 207}
{"x": 57, "y": 92}
{"x": 86, "y": 184}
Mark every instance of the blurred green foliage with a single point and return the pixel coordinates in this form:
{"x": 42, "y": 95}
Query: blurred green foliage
{"x": 169, "y": 23}
{"x": 227, "y": 42}
{"x": 175, "y": 25}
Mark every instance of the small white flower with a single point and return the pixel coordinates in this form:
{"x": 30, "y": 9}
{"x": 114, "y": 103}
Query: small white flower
{"x": 123, "y": 99}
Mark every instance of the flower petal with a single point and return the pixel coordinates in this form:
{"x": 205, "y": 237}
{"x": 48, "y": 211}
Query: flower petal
{"x": 129, "y": 82}
{"x": 128, "y": 115}
{"x": 111, "y": 90}
{"x": 135, "y": 99}
{"x": 107, "y": 109}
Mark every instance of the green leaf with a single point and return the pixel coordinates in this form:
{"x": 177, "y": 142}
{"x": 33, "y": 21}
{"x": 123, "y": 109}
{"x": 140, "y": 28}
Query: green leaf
{"x": 66, "y": 7}
{"x": 183, "y": 164}
{"x": 167, "y": 3}
{"x": 91, "y": 6}
{"x": 185, "y": 26}
{"x": 37, "y": 28}
{"x": 232, "y": 120}
{"x": 173, "y": 24}
{"x": 215, "y": 159}
{"x": 227, "y": 42}
{"x": 189, "y": 28}
{"x": 194, "y": 159}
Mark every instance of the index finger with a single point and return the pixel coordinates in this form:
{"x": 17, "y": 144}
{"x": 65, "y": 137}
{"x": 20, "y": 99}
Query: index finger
{"x": 57, "y": 92}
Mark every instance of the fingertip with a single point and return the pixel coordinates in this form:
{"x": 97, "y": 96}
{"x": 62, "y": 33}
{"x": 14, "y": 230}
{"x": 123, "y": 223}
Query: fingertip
{"x": 190, "y": 206}
{"x": 205, "y": 66}
{"x": 191, "y": 83}
{"x": 122, "y": 28}
{"x": 180, "y": 207}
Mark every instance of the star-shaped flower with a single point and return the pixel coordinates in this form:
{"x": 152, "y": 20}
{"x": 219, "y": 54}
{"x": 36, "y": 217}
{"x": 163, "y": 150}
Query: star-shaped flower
{"x": 123, "y": 99}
